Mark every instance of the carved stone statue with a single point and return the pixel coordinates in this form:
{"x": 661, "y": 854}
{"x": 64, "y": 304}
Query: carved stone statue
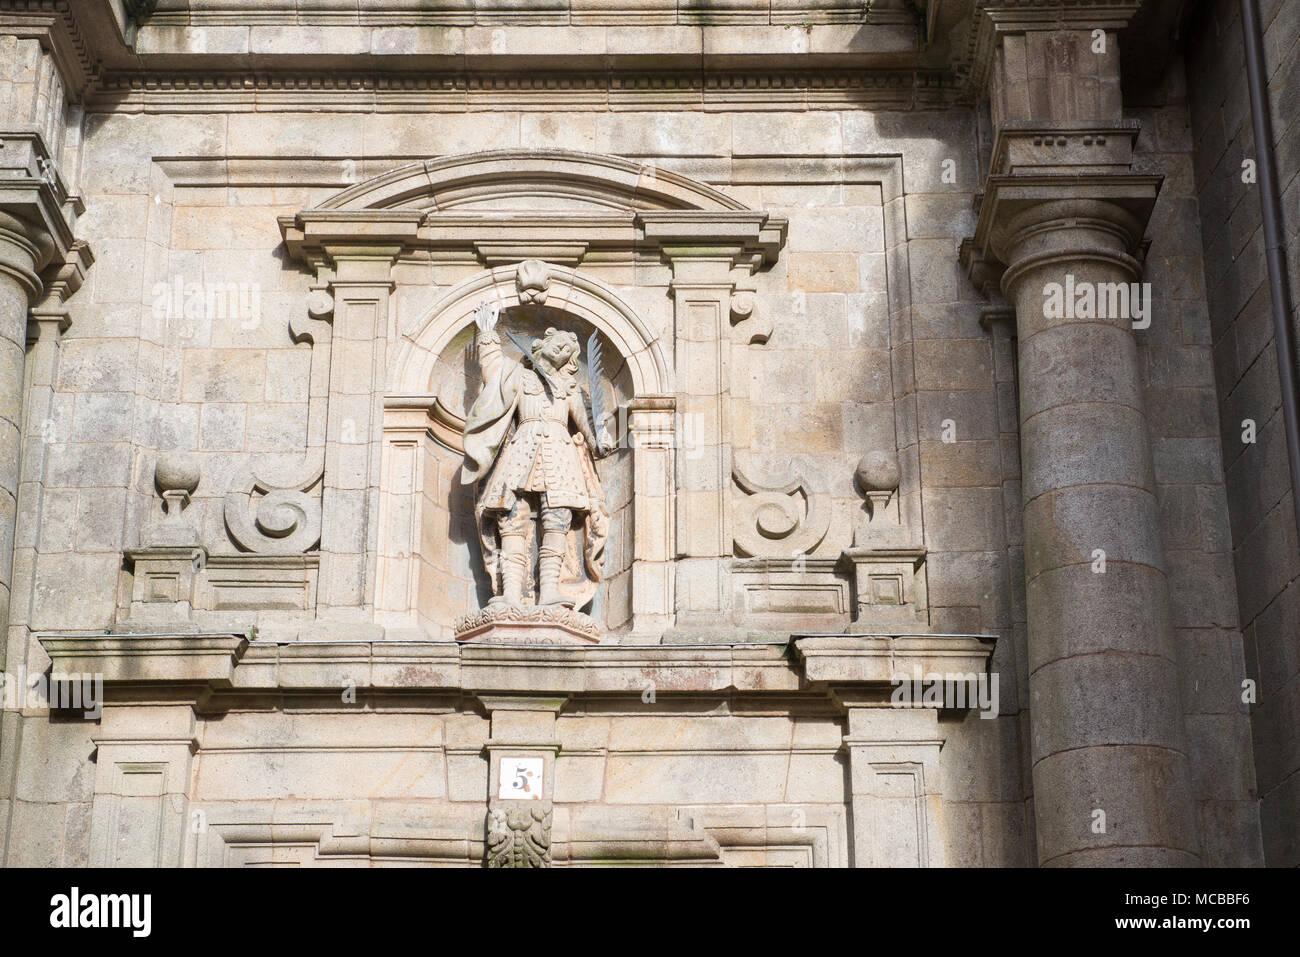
{"x": 531, "y": 445}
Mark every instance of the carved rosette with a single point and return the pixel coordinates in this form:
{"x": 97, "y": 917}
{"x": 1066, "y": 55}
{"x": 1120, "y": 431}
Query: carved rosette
{"x": 519, "y": 836}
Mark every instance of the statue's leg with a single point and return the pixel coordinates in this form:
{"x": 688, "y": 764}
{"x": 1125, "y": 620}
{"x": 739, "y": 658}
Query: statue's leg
{"x": 550, "y": 556}
{"x": 513, "y": 529}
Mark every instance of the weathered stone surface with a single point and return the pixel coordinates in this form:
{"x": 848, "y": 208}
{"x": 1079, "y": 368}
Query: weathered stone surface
{"x": 846, "y": 441}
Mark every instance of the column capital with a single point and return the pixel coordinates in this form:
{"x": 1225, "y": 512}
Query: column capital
{"x": 1030, "y": 220}
{"x": 36, "y": 213}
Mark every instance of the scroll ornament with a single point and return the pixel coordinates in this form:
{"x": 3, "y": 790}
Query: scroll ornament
{"x": 779, "y": 521}
{"x": 285, "y": 520}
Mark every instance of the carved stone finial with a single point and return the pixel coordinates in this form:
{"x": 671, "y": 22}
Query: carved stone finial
{"x": 877, "y": 472}
{"x": 877, "y": 476}
{"x": 176, "y": 474}
{"x": 532, "y": 280}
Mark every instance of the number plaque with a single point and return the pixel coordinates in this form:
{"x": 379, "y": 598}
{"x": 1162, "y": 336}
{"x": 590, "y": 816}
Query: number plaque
{"x": 521, "y": 779}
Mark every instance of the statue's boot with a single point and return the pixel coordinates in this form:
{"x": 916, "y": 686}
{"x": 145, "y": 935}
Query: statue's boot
{"x": 550, "y": 558}
{"x": 514, "y": 566}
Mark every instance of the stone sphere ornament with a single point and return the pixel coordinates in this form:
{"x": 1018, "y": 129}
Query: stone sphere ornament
{"x": 877, "y": 472}
{"x": 177, "y": 472}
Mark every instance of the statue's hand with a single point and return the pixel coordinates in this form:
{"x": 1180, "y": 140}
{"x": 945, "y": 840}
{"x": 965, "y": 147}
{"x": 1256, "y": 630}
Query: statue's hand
{"x": 487, "y": 315}
{"x": 605, "y": 444}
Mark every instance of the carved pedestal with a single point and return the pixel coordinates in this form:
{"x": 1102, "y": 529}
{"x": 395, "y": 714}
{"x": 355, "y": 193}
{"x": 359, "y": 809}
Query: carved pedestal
{"x": 528, "y": 625}
{"x": 888, "y": 588}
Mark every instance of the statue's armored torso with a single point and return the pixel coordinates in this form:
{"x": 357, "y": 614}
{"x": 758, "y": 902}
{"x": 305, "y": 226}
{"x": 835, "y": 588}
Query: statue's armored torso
{"x": 541, "y": 454}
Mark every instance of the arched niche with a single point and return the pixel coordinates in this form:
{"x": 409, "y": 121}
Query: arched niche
{"x": 577, "y": 211}
{"x": 430, "y": 567}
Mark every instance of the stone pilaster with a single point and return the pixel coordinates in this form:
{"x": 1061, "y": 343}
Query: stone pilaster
{"x": 521, "y": 785}
{"x": 402, "y": 512}
{"x": 140, "y": 815}
{"x": 354, "y": 430}
{"x": 701, "y": 291}
{"x": 650, "y": 428}
{"x": 353, "y": 260}
{"x": 894, "y": 786}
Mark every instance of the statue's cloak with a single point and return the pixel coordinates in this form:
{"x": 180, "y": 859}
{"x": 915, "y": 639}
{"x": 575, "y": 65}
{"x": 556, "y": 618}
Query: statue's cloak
{"x": 488, "y": 426}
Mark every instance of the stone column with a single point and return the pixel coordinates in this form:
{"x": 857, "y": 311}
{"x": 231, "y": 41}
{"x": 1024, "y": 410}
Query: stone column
{"x": 20, "y": 258}
{"x": 1064, "y": 213}
{"x": 1101, "y": 659}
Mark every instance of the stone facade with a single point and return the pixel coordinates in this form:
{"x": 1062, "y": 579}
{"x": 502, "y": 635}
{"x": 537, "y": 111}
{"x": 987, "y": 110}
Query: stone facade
{"x": 243, "y": 246}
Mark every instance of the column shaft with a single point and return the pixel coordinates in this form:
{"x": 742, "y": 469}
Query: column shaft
{"x": 1110, "y": 771}
{"x": 18, "y": 287}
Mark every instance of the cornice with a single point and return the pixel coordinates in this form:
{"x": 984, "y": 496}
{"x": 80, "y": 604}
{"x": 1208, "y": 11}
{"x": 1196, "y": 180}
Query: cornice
{"x": 55, "y": 24}
{"x": 535, "y": 13}
{"x": 399, "y": 92}
{"x": 809, "y": 666}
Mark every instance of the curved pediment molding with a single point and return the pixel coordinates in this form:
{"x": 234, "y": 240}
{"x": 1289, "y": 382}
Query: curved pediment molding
{"x": 505, "y": 206}
{"x": 531, "y": 180}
